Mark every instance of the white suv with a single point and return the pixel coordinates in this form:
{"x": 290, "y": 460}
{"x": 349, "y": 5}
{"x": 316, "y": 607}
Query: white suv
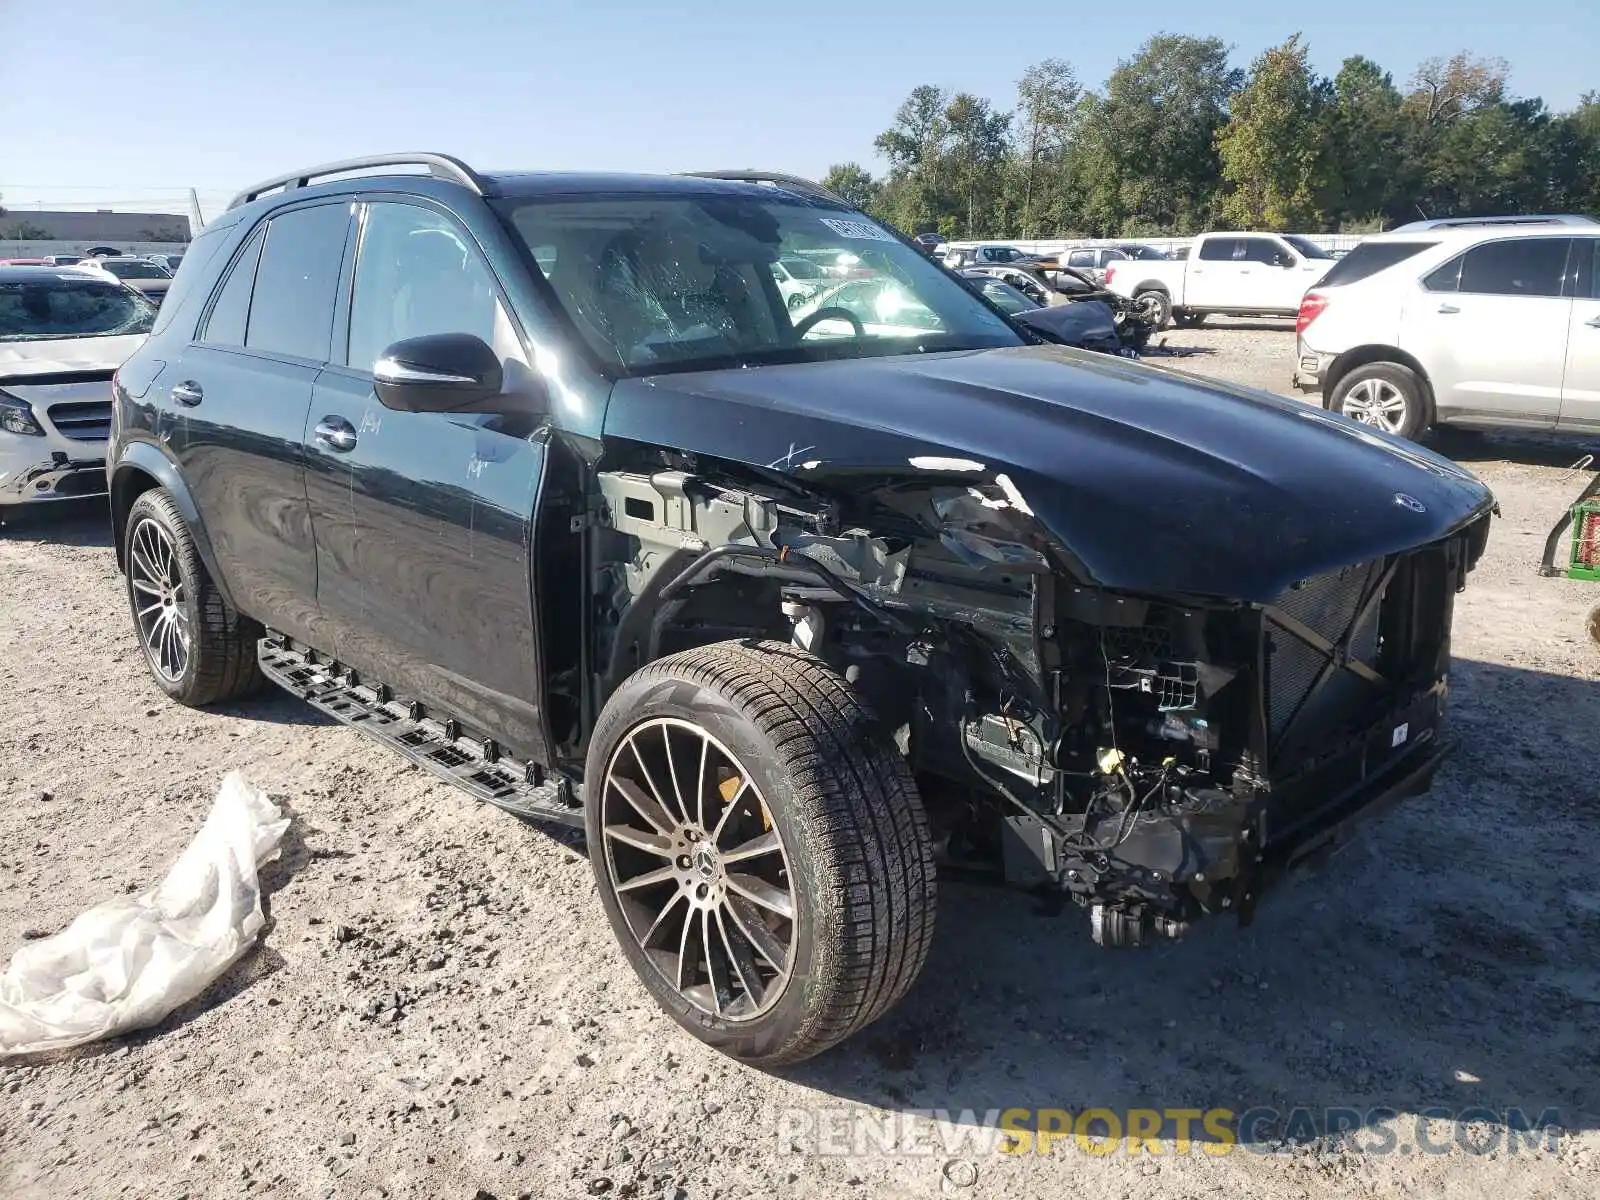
{"x": 1492, "y": 325}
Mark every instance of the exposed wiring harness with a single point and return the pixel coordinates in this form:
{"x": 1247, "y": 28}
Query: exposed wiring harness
{"x": 1076, "y": 841}
{"x": 1113, "y": 765}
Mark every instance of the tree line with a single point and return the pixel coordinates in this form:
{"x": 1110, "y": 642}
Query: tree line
{"x": 1177, "y": 141}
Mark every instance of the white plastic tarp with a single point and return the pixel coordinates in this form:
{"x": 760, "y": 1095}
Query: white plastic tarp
{"x": 129, "y": 962}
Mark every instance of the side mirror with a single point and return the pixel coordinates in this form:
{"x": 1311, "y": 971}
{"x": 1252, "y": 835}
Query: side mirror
{"x": 441, "y": 372}
{"x": 1284, "y": 260}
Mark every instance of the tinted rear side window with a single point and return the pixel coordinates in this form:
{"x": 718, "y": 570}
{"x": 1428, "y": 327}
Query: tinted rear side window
{"x": 196, "y": 265}
{"x": 1445, "y": 278}
{"x": 291, "y": 311}
{"x": 1367, "y": 259}
{"x": 1519, "y": 267}
{"x": 1218, "y": 249}
{"x": 225, "y": 325}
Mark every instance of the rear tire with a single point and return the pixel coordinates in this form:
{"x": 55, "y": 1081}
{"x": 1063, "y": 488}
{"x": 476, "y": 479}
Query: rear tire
{"x": 740, "y": 796}
{"x": 1386, "y": 396}
{"x": 1160, "y": 305}
{"x": 199, "y": 649}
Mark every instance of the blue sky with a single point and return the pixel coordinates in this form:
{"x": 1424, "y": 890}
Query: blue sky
{"x": 127, "y": 101}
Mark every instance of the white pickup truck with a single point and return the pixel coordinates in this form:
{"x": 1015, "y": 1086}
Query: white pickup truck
{"x": 1242, "y": 274}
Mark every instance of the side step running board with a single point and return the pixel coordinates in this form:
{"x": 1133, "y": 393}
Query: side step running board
{"x": 438, "y": 746}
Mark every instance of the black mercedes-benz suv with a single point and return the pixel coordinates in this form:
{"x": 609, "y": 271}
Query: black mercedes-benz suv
{"x": 540, "y": 480}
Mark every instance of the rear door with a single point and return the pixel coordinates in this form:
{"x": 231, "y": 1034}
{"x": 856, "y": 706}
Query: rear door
{"x": 1580, "y": 382}
{"x": 240, "y": 394}
{"x": 1490, "y": 327}
{"x": 424, "y": 520}
{"x": 1212, "y": 276}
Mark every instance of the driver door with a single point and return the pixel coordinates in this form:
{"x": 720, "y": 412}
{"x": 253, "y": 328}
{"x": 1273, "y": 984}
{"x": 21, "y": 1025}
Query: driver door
{"x": 1261, "y": 282}
{"x": 1279, "y": 275}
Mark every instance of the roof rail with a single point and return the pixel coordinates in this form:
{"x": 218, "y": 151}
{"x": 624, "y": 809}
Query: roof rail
{"x": 1480, "y": 222}
{"x": 792, "y": 183}
{"x": 440, "y": 166}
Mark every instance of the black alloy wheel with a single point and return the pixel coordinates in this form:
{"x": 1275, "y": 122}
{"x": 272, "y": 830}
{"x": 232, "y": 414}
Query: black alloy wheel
{"x": 161, "y": 602}
{"x": 700, "y": 869}
{"x": 759, "y": 847}
{"x": 199, "y": 648}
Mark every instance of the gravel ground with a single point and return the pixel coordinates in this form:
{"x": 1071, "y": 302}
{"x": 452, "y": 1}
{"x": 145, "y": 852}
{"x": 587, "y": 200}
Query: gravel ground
{"x": 1245, "y": 350}
{"x": 436, "y": 1008}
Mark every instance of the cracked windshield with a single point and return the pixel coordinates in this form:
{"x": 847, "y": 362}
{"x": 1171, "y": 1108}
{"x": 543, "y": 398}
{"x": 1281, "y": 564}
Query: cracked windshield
{"x": 709, "y": 281}
{"x": 40, "y": 307}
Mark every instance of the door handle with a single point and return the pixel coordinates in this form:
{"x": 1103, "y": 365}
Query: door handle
{"x": 188, "y": 393}
{"x": 1448, "y": 308}
{"x": 336, "y": 434}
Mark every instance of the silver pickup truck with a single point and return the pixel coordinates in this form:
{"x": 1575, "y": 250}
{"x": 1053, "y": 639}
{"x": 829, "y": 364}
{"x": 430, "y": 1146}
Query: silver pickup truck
{"x": 1242, "y": 274}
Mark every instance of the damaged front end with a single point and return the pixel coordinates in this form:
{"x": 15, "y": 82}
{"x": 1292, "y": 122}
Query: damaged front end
{"x": 1204, "y": 748}
{"x": 1154, "y": 758}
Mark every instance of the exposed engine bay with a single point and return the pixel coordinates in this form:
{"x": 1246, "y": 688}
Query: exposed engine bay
{"x": 1152, "y": 758}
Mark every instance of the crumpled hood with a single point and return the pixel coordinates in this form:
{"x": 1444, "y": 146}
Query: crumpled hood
{"x": 1087, "y": 324}
{"x": 1151, "y": 479}
{"x": 58, "y": 356}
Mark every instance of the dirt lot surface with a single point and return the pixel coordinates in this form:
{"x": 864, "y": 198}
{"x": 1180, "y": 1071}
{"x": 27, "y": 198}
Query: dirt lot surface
{"x": 1259, "y": 353}
{"x": 437, "y": 1009}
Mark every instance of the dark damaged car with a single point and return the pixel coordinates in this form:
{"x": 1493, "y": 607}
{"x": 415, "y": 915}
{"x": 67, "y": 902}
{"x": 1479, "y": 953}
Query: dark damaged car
{"x": 539, "y": 481}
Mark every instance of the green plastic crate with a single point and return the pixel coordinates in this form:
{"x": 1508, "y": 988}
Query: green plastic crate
{"x": 1585, "y": 562}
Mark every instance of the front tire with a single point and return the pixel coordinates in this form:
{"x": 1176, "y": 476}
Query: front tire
{"x": 1386, "y": 396}
{"x": 198, "y": 648}
{"x": 1158, "y": 304}
{"x": 760, "y": 849}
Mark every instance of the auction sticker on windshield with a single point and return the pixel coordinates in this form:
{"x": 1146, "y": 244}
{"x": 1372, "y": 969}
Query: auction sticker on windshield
{"x": 865, "y": 230}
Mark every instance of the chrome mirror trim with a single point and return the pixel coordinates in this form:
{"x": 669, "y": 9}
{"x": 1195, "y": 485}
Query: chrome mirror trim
{"x": 389, "y": 370}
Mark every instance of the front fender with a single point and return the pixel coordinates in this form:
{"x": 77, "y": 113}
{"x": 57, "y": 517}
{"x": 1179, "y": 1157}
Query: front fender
{"x": 141, "y": 465}
{"x": 1173, "y": 289}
